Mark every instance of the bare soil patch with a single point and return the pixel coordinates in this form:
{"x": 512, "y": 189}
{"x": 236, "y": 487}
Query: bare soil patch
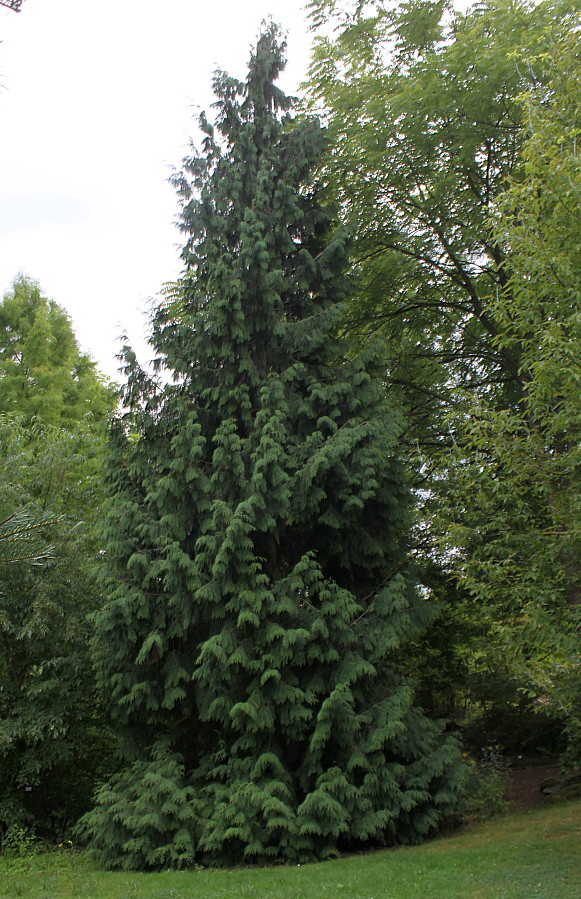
{"x": 523, "y": 786}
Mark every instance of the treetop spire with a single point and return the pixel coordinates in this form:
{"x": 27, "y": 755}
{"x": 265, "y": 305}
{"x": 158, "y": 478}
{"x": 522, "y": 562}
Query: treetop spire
{"x": 267, "y": 62}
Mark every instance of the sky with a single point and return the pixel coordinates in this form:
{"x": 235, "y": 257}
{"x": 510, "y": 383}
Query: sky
{"x": 97, "y": 103}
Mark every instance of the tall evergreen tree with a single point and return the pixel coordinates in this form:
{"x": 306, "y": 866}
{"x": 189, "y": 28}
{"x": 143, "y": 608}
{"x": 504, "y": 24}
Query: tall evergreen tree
{"x": 259, "y": 593}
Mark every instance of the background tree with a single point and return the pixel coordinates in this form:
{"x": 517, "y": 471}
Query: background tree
{"x": 42, "y": 370}
{"x": 428, "y": 130}
{"x": 520, "y": 536}
{"x": 260, "y": 596}
{"x": 53, "y": 741}
{"x": 53, "y": 406}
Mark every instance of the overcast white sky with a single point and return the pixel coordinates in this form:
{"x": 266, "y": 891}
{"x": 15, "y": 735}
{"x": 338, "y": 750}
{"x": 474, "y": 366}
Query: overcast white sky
{"x": 96, "y": 103}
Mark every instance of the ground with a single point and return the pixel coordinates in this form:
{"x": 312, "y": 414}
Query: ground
{"x": 523, "y": 789}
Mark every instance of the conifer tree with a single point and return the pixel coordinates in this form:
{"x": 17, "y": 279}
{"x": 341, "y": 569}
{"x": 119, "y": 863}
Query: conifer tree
{"x": 260, "y": 596}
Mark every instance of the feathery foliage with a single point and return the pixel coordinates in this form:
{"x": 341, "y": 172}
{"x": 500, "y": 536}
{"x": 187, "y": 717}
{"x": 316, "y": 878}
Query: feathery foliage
{"x": 260, "y": 593}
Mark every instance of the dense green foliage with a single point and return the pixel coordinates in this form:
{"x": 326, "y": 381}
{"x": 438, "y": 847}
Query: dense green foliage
{"x": 320, "y": 435}
{"x": 521, "y": 535}
{"x": 425, "y": 120}
{"x": 260, "y": 595}
{"x": 51, "y": 736}
{"x": 52, "y": 427}
{"x": 466, "y": 239}
{"x": 21, "y": 538}
{"x": 42, "y": 370}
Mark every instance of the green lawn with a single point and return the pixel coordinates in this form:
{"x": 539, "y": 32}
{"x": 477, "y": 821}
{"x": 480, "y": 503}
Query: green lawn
{"x": 530, "y": 854}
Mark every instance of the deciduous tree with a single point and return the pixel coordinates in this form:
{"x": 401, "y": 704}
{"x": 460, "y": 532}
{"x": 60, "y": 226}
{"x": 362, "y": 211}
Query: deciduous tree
{"x": 43, "y": 372}
{"x": 53, "y": 741}
{"x": 472, "y": 287}
{"x": 520, "y": 532}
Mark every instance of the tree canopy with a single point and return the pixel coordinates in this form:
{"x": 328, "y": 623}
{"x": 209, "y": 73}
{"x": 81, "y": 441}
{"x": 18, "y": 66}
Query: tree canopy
{"x": 52, "y": 426}
{"x": 42, "y": 370}
{"x": 52, "y": 734}
{"x": 426, "y": 123}
{"x": 453, "y": 159}
{"x": 520, "y": 536}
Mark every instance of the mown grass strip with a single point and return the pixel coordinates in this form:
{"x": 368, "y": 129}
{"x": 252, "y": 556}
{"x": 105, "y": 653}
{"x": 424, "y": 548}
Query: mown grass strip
{"x": 532, "y": 854}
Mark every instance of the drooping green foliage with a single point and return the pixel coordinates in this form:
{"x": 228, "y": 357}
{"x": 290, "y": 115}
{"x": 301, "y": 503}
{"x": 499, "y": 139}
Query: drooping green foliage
{"x": 260, "y": 594}
{"x": 43, "y": 373}
{"x": 53, "y": 742}
{"x": 428, "y": 130}
{"x": 20, "y": 537}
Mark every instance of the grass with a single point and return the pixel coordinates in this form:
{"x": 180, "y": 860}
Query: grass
{"x": 524, "y": 855}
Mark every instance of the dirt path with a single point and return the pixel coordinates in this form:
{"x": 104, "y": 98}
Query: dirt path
{"x": 523, "y": 789}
